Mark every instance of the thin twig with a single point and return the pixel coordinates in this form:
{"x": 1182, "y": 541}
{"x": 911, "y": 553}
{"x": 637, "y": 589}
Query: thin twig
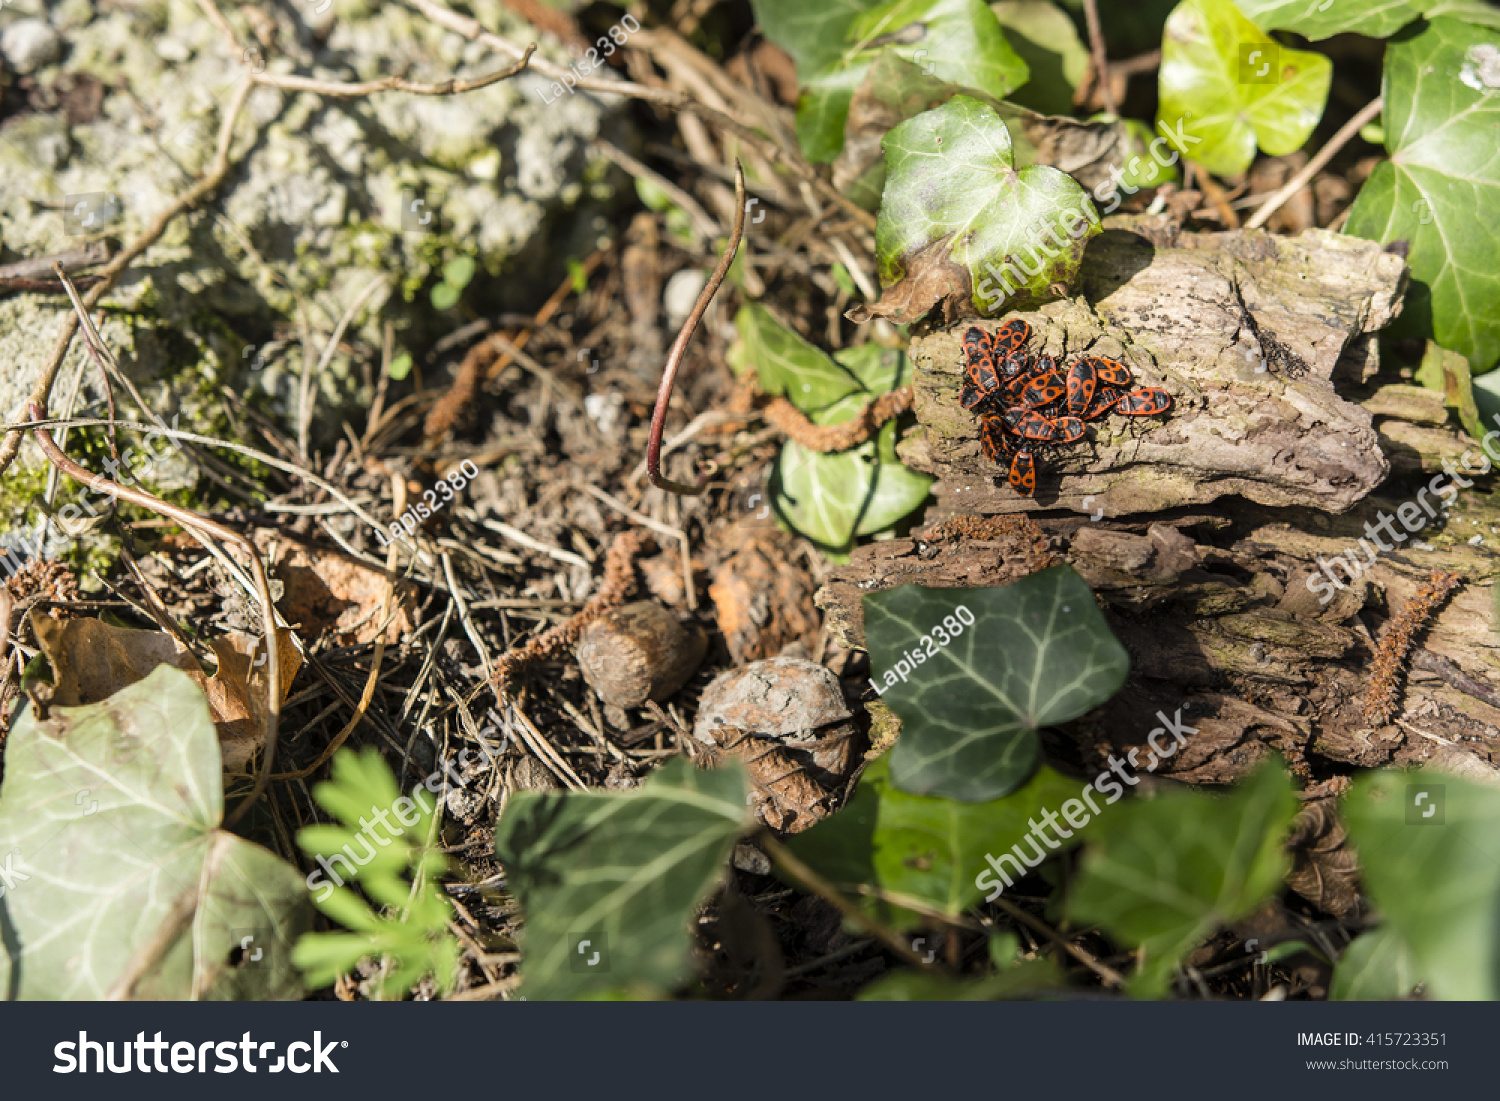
{"x": 197, "y": 524}
{"x": 812, "y": 882}
{"x": 307, "y": 399}
{"x": 1314, "y": 166}
{"x": 679, "y": 348}
{"x": 1101, "y": 61}
{"x": 1104, "y": 971}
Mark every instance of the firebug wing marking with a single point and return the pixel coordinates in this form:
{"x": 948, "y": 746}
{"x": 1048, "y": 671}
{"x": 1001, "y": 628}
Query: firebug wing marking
{"x": 1023, "y": 473}
{"x": 1109, "y": 372}
{"x": 1083, "y": 380}
{"x": 1011, "y": 336}
{"x": 1144, "y": 402}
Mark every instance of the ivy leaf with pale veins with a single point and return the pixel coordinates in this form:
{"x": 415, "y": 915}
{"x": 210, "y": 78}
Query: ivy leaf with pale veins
{"x": 896, "y": 90}
{"x": 921, "y": 847}
{"x": 1037, "y": 654}
{"x": 1226, "y": 87}
{"x": 958, "y": 42}
{"x": 1164, "y": 873}
{"x": 618, "y": 876}
{"x": 1442, "y": 127}
{"x": 785, "y": 364}
{"x": 833, "y": 497}
{"x": 960, "y": 227}
{"x": 1319, "y": 19}
{"x": 111, "y": 812}
{"x": 1431, "y": 866}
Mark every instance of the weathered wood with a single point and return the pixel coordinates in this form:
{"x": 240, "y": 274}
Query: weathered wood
{"x": 1216, "y": 612}
{"x": 1272, "y": 429}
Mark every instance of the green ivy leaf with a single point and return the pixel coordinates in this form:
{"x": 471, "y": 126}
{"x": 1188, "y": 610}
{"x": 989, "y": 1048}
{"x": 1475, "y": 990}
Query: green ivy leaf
{"x": 445, "y": 296}
{"x": 920, "y": 847}
{"x": 1166, "y": 873}
{"x": 109, "y": 814}
{"x": 400, "y": 367}
{"x": 956, "y": 41}
{"x": 1037, "y": 654}
{"x": 458, "y": 272}
{"x": 1141, "y": 170}
{"x": 813, "y": 34}
{"x": 786, "y": 364}
{"x": 1319, "y": 19}
{"x": 1432, "y": 868}
{"x": 623, "y": 871}
{"x": 1375, "y": 967}
{"x": 1225, "y": 87}
{"x": 961, "y": 227}
{"x": 1045, "y": 39}
{"x": 834, "y": 497}
{"x": 1448, "y": 373}
{"x": 1027, "y": 979}
{"x": 1442, "y": 124}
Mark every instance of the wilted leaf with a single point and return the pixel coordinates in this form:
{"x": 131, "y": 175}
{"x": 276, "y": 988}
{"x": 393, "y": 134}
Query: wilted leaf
{"x": 1429, "y": 848}
{"x": 112, "y": 810}
{"x": 92, "y": 660}
{"x": 956, "y": 41}
{"x": 1165, "y": 873}
{"x": 608, "y": 883}
{"x": 961, "y": 227}
{"x": 1225, "y": 87}
{"x": 1325, "y": 870}
{"x": 920, "y": 847}
{"x": 1037, "y": 653}
{"x": 1442, "y": 126}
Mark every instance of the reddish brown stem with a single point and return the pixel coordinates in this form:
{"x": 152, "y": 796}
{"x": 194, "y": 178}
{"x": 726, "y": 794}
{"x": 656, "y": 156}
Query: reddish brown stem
{"x": 197, "y": 524}
{"x": 679, "y": 348}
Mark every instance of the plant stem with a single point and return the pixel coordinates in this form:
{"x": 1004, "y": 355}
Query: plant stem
{"x": 679, "y": 348}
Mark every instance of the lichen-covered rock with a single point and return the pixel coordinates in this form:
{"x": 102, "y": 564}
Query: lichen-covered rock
{"x": 312, "y": 208}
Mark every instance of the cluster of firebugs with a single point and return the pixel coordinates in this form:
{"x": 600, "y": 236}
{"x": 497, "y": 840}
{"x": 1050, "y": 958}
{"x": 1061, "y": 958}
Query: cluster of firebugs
{"x": 1026, "y": 404}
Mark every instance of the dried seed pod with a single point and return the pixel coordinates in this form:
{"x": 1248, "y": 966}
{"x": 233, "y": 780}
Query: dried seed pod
{"x": 639, "y": 652}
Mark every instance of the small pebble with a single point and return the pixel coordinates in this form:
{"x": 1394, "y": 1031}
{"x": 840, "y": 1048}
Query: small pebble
{"x": 682, "y": 294}
{"x": 30, "y": 44}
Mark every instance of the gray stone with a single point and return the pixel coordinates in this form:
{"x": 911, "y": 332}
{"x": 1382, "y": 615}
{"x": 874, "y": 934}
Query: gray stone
{"x": 29, "y": 45}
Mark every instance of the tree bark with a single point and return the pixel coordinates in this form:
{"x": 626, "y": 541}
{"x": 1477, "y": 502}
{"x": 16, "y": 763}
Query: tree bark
{"x": 1228, "y": 615}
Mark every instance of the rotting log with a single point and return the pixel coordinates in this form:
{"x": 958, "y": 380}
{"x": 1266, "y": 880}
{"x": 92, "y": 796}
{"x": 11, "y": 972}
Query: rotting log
{"x": 1255, "y": 410}
{"x": 1222, "y": 608}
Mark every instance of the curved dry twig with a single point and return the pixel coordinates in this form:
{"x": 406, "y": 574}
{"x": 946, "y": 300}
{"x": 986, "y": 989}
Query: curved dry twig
{"x": 679, "y": 348}
{"x": 197, "y": 524}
